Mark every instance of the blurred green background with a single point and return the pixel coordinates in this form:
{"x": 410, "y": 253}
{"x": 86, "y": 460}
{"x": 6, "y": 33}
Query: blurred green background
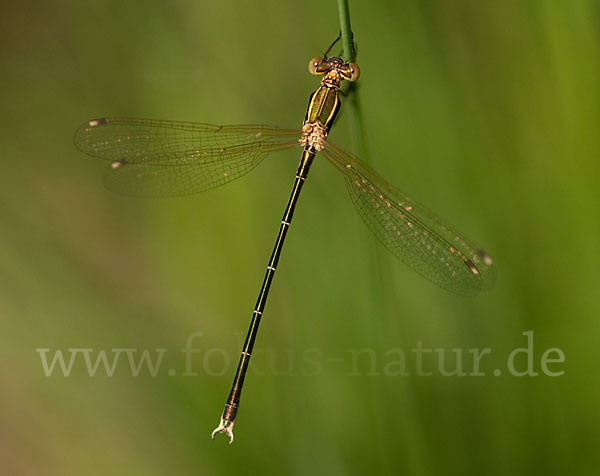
{"x": 485, "y": 111}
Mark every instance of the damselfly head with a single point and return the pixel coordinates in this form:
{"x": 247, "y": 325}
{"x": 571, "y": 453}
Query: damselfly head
{"x": 335, "y": 65}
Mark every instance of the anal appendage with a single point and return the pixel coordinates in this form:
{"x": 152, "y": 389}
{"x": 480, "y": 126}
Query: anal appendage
{"x": 225, "y": 426}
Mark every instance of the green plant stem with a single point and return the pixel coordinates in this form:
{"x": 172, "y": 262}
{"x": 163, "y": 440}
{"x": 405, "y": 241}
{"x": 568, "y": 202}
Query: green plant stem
{"x": 376, "y": 306}
{"x": 356, "y": 122}
{"x": 346, "y": 30}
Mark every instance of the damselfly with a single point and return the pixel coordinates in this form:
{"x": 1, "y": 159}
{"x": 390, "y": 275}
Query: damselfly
{"x": 165, "y": 158}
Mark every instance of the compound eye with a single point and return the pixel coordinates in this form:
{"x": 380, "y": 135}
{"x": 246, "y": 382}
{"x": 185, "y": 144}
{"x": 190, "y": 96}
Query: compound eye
{"x": 352, "y": 72}
{"x": 316, "y": 66}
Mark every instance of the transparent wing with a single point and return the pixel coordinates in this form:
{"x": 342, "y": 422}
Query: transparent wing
{"x": 168, "y": 158}
{"x": 412, "y": 232}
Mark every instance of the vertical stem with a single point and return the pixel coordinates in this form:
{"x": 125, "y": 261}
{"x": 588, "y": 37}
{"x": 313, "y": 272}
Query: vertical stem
{"x": 356, "y": 122}
{"x": 346, "y": 30}
{"x": 357, "y": 131}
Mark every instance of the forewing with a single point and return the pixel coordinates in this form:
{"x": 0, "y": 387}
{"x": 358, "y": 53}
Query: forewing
{"x": 168, "y": 158}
